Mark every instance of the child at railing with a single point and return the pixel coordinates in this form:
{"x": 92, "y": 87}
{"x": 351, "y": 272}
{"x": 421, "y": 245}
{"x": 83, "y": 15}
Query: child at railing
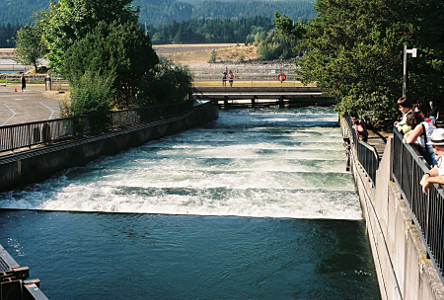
{"x": 405, "y": 107}
{"x": 360, "y": 128}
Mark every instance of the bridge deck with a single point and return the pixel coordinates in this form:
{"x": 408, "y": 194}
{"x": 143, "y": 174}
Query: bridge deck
{"x": 256, "y": 96}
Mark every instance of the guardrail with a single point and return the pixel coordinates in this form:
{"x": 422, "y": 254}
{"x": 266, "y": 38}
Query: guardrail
{"x": 57, "y": 83}
{"x": 408, "y": 167}
{"x": 36, "y": 133}
{"x": 367, "y": 155}
{"x": 249, "y": 80}
{"x": 427, "y": 211}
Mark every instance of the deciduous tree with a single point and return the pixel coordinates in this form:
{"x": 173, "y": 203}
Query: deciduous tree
{"x": 122, "y": 49}
{"x": 29, "y": 45}
{"x": 68, "y": 21}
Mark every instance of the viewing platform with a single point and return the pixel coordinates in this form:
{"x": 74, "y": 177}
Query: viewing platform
{"x": 15, "y": 284}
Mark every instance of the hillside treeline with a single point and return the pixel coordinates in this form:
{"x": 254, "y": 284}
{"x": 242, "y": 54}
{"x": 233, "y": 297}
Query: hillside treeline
{"x": 163, "y": 12}
{"x": 236, "y": 30}
{"x": 209, "y": 30}
{"x": 7, "y": 33}
{"x": 156, "y": 12}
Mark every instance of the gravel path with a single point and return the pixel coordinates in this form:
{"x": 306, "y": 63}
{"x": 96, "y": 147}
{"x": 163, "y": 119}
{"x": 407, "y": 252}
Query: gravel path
{"x": 251, "y": 67}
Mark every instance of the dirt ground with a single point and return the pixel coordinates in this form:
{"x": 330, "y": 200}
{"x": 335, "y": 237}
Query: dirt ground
{"x": 200, "y": 53}
{"x": 237, "y": 57}
{"x": 6, "y": 53}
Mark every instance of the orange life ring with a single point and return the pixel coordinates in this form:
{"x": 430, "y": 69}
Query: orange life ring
{"x": 281, "y": 76}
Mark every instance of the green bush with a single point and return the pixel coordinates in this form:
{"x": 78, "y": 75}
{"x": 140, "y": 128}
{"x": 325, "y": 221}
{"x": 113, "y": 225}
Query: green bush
{"x": 91, "y": 94}
{"x": 373, "y": 107}
{"x": 212, "y": 58}
{"x": 165, "y": 83}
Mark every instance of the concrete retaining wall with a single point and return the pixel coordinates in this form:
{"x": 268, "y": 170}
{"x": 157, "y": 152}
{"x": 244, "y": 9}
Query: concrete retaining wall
{"x": 404, "y": 272}
{"x": 38, "y": 164}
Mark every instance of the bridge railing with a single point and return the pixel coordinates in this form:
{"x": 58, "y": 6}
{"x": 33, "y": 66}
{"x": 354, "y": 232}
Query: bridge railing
{"x": 250, "y": 80}
{"x": 427, "y": 211}
{"x": 26, "y": 135}
{"x": 367, "y": 155}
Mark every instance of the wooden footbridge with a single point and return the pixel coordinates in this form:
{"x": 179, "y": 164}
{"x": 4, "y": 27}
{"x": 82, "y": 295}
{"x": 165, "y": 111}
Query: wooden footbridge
{"x": 249, "y": 96}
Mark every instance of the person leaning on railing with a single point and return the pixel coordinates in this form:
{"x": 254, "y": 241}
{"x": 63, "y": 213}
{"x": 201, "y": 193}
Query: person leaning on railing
{"x": 420, "y": 135}
{"x": 361, "y": 129}
{"x": 406, "y": 108}
{"x": 435, "y": 174}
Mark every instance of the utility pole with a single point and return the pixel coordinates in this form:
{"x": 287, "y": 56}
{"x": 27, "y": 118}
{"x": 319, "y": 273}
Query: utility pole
{"x": 404, "y": 69}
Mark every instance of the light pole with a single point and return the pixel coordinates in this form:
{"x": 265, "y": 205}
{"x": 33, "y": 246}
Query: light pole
{"x": 404, "y": 69}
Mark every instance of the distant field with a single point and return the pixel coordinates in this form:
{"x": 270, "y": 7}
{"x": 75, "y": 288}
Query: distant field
{"x": 180, "y": 48}
{"x": 200, "y": 53}
{"x": 6, "y": 52}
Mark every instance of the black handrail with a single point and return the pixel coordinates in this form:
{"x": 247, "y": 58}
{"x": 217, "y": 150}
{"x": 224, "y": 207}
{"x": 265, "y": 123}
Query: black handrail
{"x": 427, "y": 211}
{"x": 35, "y": 133}
{"x": 367, "y": 155}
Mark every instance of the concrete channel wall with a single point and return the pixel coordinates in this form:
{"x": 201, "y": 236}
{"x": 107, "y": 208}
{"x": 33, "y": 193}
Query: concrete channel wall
{"x": 38, "y": 164}
{"x": 402, "y": 266}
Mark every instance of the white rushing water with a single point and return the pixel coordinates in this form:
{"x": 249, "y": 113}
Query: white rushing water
{"x": 258, "y": 163}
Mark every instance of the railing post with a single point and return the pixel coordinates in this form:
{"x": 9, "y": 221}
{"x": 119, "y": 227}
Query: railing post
{"x": 29, "y": 135}
{"x": 427, "y": 220}
{"x": 11, "y": 137}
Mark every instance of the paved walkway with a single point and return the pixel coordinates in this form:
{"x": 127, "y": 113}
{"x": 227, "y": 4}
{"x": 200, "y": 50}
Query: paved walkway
{"x": 378, "y": 139}
{"x": 30, "y": 106}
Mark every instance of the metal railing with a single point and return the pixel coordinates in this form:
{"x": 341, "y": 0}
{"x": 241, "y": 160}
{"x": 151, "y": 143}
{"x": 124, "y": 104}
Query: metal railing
{"x": 427, "y": 211}
{"x": 249, "y": 80}
{"x": 367, "y": 155}
{"x": 35, "y": 133}
{"x": 57, "y": 82}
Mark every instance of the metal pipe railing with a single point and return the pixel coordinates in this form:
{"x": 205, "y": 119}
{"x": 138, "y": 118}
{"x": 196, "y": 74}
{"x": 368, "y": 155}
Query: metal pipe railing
{"x": 30, "y": 134}
{"x": 427, "y": 211}
{"x": 367, "y": 155}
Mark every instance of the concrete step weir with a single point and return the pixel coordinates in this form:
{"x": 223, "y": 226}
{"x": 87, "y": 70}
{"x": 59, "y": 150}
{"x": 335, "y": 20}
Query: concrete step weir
{"x": 37, "y": 163}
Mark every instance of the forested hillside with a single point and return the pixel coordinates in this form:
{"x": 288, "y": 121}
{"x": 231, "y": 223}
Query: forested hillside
{"x": 7, "y": 32}
{"x": 192, "y": 21}
{"x": 157, "y": 12}
{"x": 209, "y": 30}
{"x": 154, "y": 12}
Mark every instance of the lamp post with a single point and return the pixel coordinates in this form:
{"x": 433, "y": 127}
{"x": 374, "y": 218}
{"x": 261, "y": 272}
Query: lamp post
{"x": 404, "y": 69}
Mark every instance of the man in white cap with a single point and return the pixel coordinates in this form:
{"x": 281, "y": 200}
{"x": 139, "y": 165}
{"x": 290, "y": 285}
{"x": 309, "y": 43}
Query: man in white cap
{"x": 435, "y": 174}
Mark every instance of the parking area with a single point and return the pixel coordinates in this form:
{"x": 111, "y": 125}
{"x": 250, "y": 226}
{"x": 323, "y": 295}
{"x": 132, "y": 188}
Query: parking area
{"x": 32, "y": 105}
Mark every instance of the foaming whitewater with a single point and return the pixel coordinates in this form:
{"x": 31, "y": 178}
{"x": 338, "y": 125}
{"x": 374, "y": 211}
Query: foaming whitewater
{"x": 258, "y": 163}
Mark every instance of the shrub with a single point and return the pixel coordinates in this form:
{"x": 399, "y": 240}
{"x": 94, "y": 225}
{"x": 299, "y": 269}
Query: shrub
{"x": 91, "y": 94}
{"x": 165, "y": 83}
{"x": 212, "y": 58}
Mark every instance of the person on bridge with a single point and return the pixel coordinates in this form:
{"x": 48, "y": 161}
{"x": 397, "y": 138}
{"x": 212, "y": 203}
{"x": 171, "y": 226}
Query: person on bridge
{"x": 361, "y": 129}
{"x": 435, "y": 174}
{"x": 230, "y": 78}
{"x": 224, "y": 77}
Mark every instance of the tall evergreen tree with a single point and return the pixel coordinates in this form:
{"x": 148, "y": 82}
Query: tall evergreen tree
{"x": 355, "y": 49}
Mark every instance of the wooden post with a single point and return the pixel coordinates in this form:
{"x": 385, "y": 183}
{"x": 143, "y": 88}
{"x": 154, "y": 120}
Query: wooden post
{"x": 281, "y": 102}
{"x": 226, "y": 105}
